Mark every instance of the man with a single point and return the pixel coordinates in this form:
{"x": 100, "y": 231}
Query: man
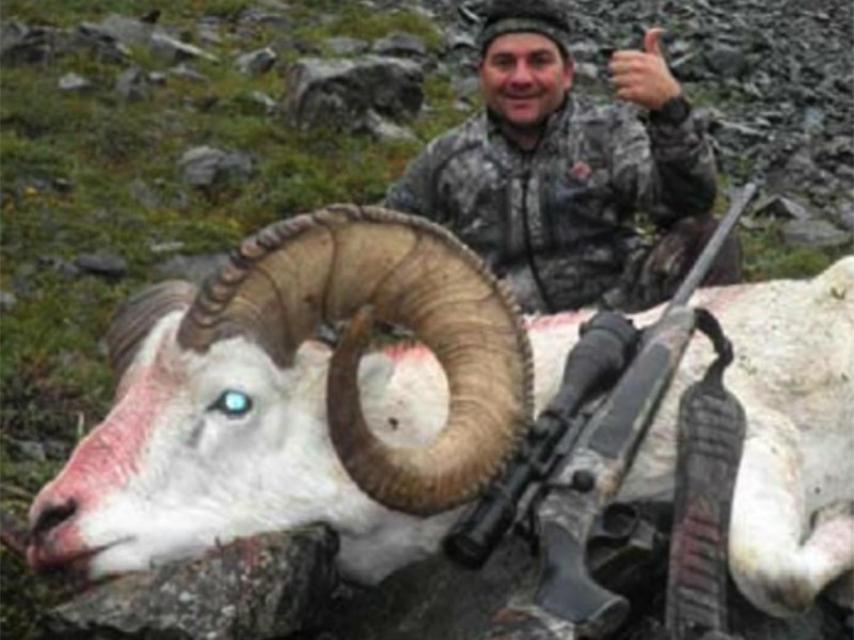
{"x": 546, "y": 187}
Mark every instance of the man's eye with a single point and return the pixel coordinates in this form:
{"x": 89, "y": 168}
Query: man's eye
{"x": 232, "y": 404}
{"x": 541, "y": 61}
{"x": 503, "y": 63}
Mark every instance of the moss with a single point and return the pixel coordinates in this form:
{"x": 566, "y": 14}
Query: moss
{"x": 766, "y": 256}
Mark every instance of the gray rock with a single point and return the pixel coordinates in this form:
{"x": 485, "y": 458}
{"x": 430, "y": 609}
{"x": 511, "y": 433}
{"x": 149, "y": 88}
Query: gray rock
{"x": 193, "y": 268}
{"x": 843, "y": 215}
{"x": 726, "y": 60}
{"x": 781, "y": 207}
{"x": 22, "y": 282}
{"x": 587, "y": 71}
{"x": 401, "y": 45}
{"x": 186, "y": 72}
{"x": 107, "y": 265}
{"x": 814, "y": 119}
{"x": 8, "y": 301}
{"x": 22, "y": 44}
{"x": 127, "y": 31}
{"x": 815, "y": 233}
{"x": 341, "y": 93}
{"x": 133, "y": 85}
{"x": 74, "y": 83}
{"x": 56, "y": 449}
{"x": 99, "y": 43}
{"x": 343, "y": 46}
{"x": 166, "y": 247}
{"x": 265, "y": 101}
{"x": 27, "y": 449}
{"x": 204, "y": 166}
{"x": 173, "y": 50}
{"x": 256, "y": 62}
{"x": 466, "y": 87}
{"x": 384, "y": 129}
{"x": 264, "y": 587}
{"x": 157, "y": 77}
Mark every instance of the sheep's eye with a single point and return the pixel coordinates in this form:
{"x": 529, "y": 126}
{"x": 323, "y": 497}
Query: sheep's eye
{"x": 233, "y": 404}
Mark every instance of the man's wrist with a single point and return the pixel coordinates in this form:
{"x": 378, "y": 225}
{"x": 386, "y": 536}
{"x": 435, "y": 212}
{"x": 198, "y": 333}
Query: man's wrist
{"x": 673, "y": 112}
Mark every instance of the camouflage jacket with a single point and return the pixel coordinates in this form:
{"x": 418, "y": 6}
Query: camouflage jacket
{"x": 568, "y": 206}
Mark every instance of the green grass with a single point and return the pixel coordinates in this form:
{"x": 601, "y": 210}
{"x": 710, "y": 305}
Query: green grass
{"x": 67, "y": 164}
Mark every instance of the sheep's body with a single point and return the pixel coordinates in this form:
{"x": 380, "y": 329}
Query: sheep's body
{"x": 158, "y": 480}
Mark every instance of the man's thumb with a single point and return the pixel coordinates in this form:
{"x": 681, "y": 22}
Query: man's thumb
{"x": 652, "y": 41}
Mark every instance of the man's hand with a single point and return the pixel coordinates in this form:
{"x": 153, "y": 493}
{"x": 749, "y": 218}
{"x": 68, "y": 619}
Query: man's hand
{"x": 642, "y": 77}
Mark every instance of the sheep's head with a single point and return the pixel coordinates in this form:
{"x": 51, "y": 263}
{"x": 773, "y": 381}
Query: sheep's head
{"x": 215, "y": 432}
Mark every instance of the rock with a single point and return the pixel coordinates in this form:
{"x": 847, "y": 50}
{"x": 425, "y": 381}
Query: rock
{"x": 256, "y": 62}
{"x": 466, "y": 87}
{"x": 74, "y": 83}
{"x": 401, "y": 45}
{"x": 385, "y": 129}
{"x": 107, "y": 265}
{"x": 780, "y": 207}
{"x": 726, "y": 61}
{"x": 263, "y": 587}
{"x": 173, "y": 50}
{"x": 26, "y": 449}
{"x": 99, "y": 43}
{"x": 166, "y": 247}
{"x": 265, "y": 101}
{"x": 205, "y": 166}
{"x": 587, "y": 71}
{"x": 343, "y": 46}
{"x": 133, "y": 84}
{"x": 193, "y": 268}
{"x": 8, "y": 301}
{"x": 843, "y": 215}
{"x": 186, "y": 72}
{"x": 128, "y": 31}
{"x": 815, "y": 233}
{"x": 21, "y": 44}
{"x": 341, "y": 93}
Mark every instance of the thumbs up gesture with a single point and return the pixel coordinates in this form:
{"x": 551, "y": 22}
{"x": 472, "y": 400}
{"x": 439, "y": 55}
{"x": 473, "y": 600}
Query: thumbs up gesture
{"x": 642, "y": 77}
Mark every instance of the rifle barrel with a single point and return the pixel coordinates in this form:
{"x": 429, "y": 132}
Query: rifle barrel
{"x": 702, "y": 265}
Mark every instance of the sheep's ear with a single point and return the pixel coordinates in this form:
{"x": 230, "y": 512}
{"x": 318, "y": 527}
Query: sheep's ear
{"x": 137, "y": 315}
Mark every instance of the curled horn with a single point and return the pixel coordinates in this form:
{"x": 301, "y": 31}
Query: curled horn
{"x": 347, "y": 261}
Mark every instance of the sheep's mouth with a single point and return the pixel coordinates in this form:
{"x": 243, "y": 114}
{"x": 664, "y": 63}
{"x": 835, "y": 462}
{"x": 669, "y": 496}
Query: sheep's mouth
{"x": 76, "y": 561}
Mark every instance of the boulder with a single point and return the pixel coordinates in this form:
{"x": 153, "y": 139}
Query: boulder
{"x": 267, "y": 586}
{"x": 343, "y": 93}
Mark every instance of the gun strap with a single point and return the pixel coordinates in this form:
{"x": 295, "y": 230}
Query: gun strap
{"x": 711, "y": 433}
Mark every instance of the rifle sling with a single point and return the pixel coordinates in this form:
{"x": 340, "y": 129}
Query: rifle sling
{"x": 711, "y": 433}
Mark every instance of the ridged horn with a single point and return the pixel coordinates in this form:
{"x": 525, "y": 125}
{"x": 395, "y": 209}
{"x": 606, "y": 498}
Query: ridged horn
{"x": 327, "y": 266}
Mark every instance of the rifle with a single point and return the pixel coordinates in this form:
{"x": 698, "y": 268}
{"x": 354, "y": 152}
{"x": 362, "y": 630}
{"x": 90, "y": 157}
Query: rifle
{"x": 572, "y": 465}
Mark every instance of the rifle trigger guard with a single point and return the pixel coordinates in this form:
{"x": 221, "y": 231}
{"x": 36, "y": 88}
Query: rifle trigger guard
{"x": 615, "y": 524}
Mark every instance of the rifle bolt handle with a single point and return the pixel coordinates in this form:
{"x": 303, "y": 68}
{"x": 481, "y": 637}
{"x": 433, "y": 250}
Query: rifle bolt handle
{"x": 583, "y": 480}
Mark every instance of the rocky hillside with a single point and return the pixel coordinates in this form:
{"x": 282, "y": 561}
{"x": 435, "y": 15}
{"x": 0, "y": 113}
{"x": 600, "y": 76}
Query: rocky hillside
{"x": 141, "y": 140}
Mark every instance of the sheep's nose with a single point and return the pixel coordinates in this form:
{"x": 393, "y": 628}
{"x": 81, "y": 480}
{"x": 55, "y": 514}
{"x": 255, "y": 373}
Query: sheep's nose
{"x": 51, "y": 515}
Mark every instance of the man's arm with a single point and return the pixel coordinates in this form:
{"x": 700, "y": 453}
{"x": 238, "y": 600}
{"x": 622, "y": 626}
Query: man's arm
{"x": 669, "y": 168}
{"x": 413, "y": 192}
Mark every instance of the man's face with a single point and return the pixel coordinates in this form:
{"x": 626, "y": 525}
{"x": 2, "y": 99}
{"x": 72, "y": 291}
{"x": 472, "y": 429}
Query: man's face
{"x": 524, "y": 78}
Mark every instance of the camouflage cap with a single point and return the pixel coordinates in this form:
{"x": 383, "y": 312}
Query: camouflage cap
{"x": 513, "y": 16}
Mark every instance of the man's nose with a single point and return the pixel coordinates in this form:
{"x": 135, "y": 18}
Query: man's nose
{"x": 521, "y": 74}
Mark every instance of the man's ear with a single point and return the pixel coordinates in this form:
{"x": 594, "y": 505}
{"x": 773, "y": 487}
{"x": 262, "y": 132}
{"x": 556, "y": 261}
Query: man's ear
{"x": 568, "y": 72}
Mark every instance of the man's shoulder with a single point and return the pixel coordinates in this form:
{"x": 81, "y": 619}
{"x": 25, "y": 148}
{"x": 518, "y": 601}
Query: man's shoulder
{"x": 468, "y": 134}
